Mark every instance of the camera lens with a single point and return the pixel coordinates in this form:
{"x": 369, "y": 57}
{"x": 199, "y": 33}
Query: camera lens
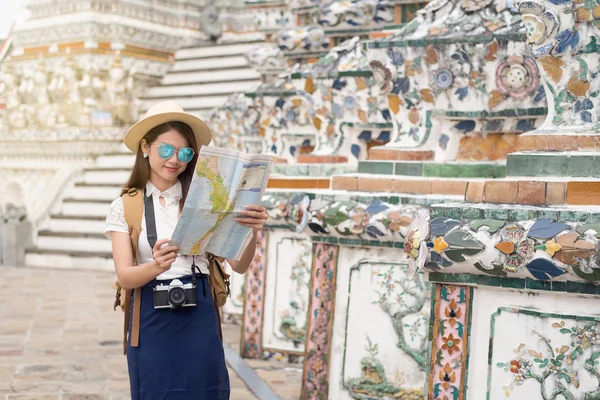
{"x": 176, "y": 296}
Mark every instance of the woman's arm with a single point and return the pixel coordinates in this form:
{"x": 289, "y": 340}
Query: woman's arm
{"x": 135, "y": 276}
{"x": 241, "y": 266}
{"x": 254, "y": 217}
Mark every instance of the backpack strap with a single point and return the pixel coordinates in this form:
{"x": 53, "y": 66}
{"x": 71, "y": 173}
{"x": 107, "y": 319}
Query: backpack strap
{"x": 133, "y": 209}
{"x": 212, "y": 267}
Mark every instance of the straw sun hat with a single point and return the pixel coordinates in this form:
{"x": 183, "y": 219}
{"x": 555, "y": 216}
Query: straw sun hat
{"x": 166, "y": 111}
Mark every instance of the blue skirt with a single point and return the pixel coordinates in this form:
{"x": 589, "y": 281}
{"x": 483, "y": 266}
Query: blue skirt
{"x": 180, "y": 354}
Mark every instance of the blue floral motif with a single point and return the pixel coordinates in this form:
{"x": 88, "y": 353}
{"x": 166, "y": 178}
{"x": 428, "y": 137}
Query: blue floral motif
{"x": 365, "y": 135}
{"x": 337, "y": 110}
{"x": 339, "y": 84}
{"x": 290, "y": 115}
{"x": 350, "y": 102}
{"x": 443, "y": 142}
{"x": 586, "y": 116}
{"x": 401, "y": 85}
{"x": 566, "y": 39}
{"x": 397, "y": 58}
{"x": 466, "y": 126}
{"x": 413, "y": 133}
{"x": 583, "y": 105}
{"x": 540, "y": 94}
{"x": 462, "y": 92}
{"x": 384, "y": 136}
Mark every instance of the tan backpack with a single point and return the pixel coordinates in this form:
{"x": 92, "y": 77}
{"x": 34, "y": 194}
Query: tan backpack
{"x": 218, "y": 279}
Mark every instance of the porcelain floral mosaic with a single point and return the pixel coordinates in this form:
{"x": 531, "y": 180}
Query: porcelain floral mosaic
{"x": 542, "y": 249}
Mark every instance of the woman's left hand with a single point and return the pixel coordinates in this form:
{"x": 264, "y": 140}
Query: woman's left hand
{"x": 254, "y": 217}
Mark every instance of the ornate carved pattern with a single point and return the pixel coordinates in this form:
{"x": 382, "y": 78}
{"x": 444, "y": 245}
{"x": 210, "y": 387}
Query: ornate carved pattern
{"x": 563, "y": 38}
{"x": 73, "y": 94}
{"x": 321, "y": 310}
{"x": 542, "y": 249}
{"x": 253, "y": 306}
{"x": 450, "y": 342}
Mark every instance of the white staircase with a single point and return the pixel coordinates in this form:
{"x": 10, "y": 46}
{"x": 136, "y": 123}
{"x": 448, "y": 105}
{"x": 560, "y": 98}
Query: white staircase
{"x": 203, "y": 77}
{"x": 73, "y": 235}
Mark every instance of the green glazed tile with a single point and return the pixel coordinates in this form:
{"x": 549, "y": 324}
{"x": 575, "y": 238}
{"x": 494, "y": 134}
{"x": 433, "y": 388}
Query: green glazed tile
{"x": 513, "y": 283}
{"x": 455, "y": 213}
{"x": 572, "y": 216}
{"x": 547, "y": 214}
{"x": 502, "y": 215}
{"x": 376, "y": 167}
{"x": 471, "y": 213}
{"x": 595, "y": 171}
{"x": 538, "y": 285}
{"x": 580, "y": 165}
{"x": 437, "y": 212}
{"x": 500, "y": 171}
{"x": 409, "y": 168}
{"x": 593, "y": 217}
{"x": 558, "y": 286}
{"x": 522, "y": 164}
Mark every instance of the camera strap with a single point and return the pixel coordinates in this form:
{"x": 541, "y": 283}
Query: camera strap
{"x": 153, "y": 236}
{"x": 150, "y": 220}
{"x": 150, "y": 224}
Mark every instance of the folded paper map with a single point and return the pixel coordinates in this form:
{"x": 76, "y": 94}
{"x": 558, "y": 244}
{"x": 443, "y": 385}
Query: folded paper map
{"x": 224, "y": 183}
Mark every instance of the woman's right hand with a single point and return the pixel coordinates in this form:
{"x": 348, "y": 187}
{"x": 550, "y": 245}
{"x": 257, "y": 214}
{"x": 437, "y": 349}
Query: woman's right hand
{"x": 165, "y": 256}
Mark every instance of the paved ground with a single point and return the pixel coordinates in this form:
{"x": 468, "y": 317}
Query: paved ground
{"x": 61, "y": 340}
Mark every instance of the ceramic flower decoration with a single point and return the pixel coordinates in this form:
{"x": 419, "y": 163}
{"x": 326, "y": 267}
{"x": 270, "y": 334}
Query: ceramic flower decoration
{"x": 517, "y": 77}
{"x": 540, "y": 25}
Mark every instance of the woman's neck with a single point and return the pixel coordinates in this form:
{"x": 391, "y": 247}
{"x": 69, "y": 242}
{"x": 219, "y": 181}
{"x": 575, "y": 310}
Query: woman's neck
{"x": 161, "y": 184}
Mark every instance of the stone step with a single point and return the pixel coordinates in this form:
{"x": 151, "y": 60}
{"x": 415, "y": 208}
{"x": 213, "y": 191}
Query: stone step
{"x": 402, "y": 184}
{"x": 391, "y": 154}
{"x": 226, "y": 76}
{"x": 209, "y": 63}
{"x": 200, "y": 89}
{"x": 556, "y": 164}
{"x": 74, "y": 226}
{"x": 79, "y": 244}
{"x": 71, "y": 234}
{"x": 93, "y": 193}
{"x": 104, "y": 185}
{"x": 68, "y": 200}
{"x": 85, "y": 208}
{"x": 82, "y": 218}
{"x": 117, "y": 160}
{"x": 536, "y": 191}
{"x": 93, "y": 261}
{"x": 434, "y": 169}
{"x": 190, "y": 103}
{"x": 113, "y": 177}
{"x": 215, "y": 51}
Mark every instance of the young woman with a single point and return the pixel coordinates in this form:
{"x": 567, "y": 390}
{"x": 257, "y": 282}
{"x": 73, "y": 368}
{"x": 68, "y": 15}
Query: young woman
{"x": 179, "y": 354}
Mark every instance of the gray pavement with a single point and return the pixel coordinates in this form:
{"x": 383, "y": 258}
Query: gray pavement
{"x": 61, "y": 340}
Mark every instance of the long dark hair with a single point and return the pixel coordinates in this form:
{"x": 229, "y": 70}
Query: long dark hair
{"x": 140, "y": 174}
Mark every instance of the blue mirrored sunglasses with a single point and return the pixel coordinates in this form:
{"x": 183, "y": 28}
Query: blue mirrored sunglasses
{"x": 184, "y": 154}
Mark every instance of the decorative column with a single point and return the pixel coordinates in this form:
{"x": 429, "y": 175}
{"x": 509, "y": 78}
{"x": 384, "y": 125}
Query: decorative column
{"x": 318, "y": 339}
{"x": 252, "y": 324}
{"x": 450, "y": 327}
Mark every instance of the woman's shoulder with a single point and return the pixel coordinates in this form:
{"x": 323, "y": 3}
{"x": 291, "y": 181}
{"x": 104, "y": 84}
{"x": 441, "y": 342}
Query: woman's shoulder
{"x": 116, "y": 210}
{"x": 117, "y": 203}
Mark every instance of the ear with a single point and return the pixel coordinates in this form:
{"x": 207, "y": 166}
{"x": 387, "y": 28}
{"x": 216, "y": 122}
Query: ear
{"x": 145, "y": 146}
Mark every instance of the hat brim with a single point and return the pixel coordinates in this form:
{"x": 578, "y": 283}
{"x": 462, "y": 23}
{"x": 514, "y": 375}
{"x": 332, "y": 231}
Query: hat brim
{"x": 136, "y": 133}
